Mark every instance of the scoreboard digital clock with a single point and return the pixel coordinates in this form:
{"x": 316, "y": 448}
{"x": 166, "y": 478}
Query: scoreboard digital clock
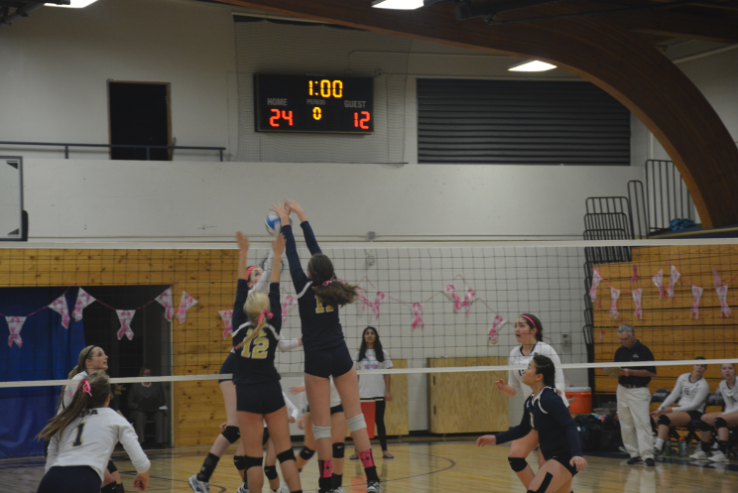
{"x": 286, "y": 103}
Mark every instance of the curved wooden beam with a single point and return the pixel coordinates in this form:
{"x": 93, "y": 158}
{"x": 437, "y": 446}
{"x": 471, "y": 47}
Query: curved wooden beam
{"x": 594, "y": 48}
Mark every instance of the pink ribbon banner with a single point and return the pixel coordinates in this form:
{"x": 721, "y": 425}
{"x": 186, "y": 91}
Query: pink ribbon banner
{"x": 674, "y": 276}
{"x": 722, "y": 293}
{"x": 226, "y": 316}
{"x": 15, "y": 324}
{"x": 494, "y": 332}
{"x": 378, "y": 298}
{"x": 125, "y": 317}
{"x": 364, "y": 301}
{"x": 83, "y": 300}
{"x": 289, "y": 300}
{"x": 696, "y": 295}
{"x": 185, "y": 304}
{"x": 60, "y": 306}
{"x": 717, "y": 282}
{"x": 614, "y": 295}
{"x": 658, "y": 280}
{"x": 637, "y": 295}
{"x": 418, "y": 316}
{"x": 165, "y": 300}
{"x": 596, "y": 280}
{"x": 469, "y": 298}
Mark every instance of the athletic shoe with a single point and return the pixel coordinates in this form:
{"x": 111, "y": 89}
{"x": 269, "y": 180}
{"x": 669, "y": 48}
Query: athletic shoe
{"x": 699, "y": 455}
{"x": 623, "y": 450}
{"x": 199, "y": 486}
{"x": 657, "y": 452}
{"x": 719, "y": 457}
{"x": 242, "y": 489}
{"x": 283, "y": 488}
{"x": 339, "y": 490}
{"x": 650, "y": 462}
{"x": 373, "y": 487}
{"x": 634, "y": 460}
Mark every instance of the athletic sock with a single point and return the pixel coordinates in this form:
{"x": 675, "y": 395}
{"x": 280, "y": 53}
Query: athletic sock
{"x": 723, "y": 446}
{"x": 659, "y": 444}
{"x": 337, "y": 480}
{"x": 367, "y": 460}
{"x": 325, "y": 468}
{"x": 208, "y": 466}
{"x": 706, "y": 446}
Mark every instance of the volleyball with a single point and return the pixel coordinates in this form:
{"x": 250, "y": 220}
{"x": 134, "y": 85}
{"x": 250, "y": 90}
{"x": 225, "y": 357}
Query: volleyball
{"x": 273, "y": 224}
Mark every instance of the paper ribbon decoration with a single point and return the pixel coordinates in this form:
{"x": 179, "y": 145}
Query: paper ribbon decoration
{"x": 165, "y": 299}
{"x": 494, "y": 332}
{"x": 15, "y": 324}
{"x": 596, "y": 280}
{"x": 185, "y": 304}
{"x": 696, "y": 295}
{"x": 418, "y": 316}
{"x": 378, "y": 298}
{"x": 614, "y": 295}
{"x": 634, "y": 278}
{"x": 637, "y": 294}
{"x": 83, "y": 300}
{"x": 458, "y": 304}
{"x": 226, "y": 316}
{"x": 289, "y": 300}
{"x": 363, "y": 299}
{"x": 60, "y": 306}
{"x": 658, "y": 280}
{"x": 451, "y": 293}
{"x": 469, "y": 299}
{"x": 717, "y": 281}
{"x": 602, "y": 335}
{"x": 722, "y": 293}
{"x": 125, "y": 317}
{"x": 674, "y": 276}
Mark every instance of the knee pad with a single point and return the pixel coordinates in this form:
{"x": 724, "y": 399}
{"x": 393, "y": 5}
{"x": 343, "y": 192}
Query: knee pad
{"x": 271, "y": 472}
{"x": 356, "y": 423}
{"x": 321, "y": 432}
{"x": 288, "y": 454}
{"x": 306, "y": 453}
{"x": 232, "y": 434}
{"x": 240, "y": 462}
{"x": 339, "y": 449}
{"x": 109, "y": 488}
{"x": 544, "y": 484}
{"x": 720, "y": 423}
{"x": 517, "y": 464}
{"x": 664, "y": 420}
{"x": 250, "y": 462}
{"x": 704, "y": 426}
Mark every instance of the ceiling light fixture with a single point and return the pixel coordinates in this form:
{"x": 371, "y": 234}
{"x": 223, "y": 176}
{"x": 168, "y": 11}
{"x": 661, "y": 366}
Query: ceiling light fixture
{"x": 397, "y": 4}
{"x": 531, "y": 66}
{"x": 73, "y": 4}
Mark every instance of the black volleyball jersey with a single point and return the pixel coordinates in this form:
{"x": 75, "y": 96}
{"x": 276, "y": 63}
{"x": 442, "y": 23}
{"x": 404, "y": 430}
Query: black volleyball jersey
{"x": 547, "y": 414}
{"x": 321, "y": 328}
{"x": 255, "y": 362}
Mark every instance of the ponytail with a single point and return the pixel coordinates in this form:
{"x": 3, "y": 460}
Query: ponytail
{"x": 257, "y": 309}
{"x": 331, "y": 291}
{"x": 84, "y": 355}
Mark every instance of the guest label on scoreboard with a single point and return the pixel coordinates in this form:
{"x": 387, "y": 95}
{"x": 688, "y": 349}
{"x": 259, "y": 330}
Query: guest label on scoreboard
{"x": 286, "y": 103}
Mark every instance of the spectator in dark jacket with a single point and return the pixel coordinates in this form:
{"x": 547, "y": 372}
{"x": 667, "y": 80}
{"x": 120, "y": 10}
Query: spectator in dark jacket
{"x": 147, "y": 401}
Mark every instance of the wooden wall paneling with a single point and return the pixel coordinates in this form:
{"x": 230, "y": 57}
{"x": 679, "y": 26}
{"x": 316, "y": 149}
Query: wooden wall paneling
{"x": 466, "y": 402}
{"x": 396, "y": 417}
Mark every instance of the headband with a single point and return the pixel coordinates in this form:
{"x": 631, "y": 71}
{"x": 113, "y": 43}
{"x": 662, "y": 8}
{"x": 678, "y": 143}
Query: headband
{"x": 248, "y": 271}
{"x": 87, "y": 356}
{"x": 531, "y": 321}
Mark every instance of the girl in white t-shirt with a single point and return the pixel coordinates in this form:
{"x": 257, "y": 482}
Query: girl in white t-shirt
{"x": 721, "y": 421}
{"x": 82, "y": 438}
{"x": 371, "y": 356}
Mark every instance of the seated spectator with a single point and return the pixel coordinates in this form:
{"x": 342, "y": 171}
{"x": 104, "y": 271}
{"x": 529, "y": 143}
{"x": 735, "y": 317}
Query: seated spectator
{"x": 147, "y": 401}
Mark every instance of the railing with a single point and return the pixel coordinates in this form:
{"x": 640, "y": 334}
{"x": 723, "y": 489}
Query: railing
{"x": 148, "y": 148}
{"x": 666, "y": 194}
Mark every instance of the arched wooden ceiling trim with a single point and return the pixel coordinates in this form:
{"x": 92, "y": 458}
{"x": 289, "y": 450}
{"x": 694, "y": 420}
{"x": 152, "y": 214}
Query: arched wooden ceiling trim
{"x": 594, "y": 48}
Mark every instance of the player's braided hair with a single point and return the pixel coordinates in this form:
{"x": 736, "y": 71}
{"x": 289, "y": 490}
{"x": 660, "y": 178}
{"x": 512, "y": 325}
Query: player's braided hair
{"x": 545, "y": 367}
{"x": 256, "y": 304}
{"x": 332, "y": 291}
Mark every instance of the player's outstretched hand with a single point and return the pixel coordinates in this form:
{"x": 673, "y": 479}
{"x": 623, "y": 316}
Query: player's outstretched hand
{"x": 243, "y": 242}
{"x": 486, "y": 440}
{"x": 278, "y": 244}
{"x": 141, "y": 481}
{"x": 293, "y": 206}
{"x": 579, "y": 462}
{"x": 282, "y": 211}
{"x": 301, "y": 423}
{"x": 500, "y": 384}
{"x": 223, "y": 426}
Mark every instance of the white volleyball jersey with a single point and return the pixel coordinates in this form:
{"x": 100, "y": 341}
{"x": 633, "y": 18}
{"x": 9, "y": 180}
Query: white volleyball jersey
{"x": 69, "y": 390}
{"x": 691, "y": 396}
{"x": 730, "y": 396}
{"x": 335, "y": 398}
{"x": 90, "y": 440}
{"x": 517, "y": 358}
{"x": 372, "y": 387}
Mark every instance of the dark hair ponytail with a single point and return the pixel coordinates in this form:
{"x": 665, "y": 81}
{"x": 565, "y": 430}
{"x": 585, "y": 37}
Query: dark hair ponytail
{"x": 545, "y": 367}
{"x": 332, "y": 291}
{"x": 533, "y": 323}
{"x": 378, "y": 351}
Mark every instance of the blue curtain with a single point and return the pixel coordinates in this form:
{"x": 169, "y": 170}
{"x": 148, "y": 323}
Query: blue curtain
{"x": 49, "y": 352}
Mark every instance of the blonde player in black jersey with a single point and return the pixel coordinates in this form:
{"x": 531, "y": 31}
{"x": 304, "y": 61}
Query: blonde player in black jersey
{"x": 82, "y": 437}
{"x": 720, "y": 421}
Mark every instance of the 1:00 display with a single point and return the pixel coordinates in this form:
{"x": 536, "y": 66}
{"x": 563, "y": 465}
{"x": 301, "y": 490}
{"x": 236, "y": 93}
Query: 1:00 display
{"x": 326, "y": 88}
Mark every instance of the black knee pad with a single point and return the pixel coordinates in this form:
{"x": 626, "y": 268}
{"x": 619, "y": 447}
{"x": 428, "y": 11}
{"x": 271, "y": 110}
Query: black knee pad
{"x": 240, "y": 462}
{"x": 307, "y": 453}
{"x": 517, "y": 464}
{"x": 288, "y": 454}
{"x": 339, "y": 449}
{"x": 271, "y": 472}
{"x": 544, "y": 484}
{"x": 704, "y": 426}
{"x": 232, "y": 434}
{"x": 720, "y": 423}
{"x": 664, "y": 420}
{"x": 250, "y": 462}
{"x": 109, "y": 488}
{"x": 111, "y": 467}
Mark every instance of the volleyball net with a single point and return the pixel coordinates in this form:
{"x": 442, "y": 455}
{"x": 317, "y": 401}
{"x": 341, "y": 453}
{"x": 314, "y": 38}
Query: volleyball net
{"x": 168, "y": 309}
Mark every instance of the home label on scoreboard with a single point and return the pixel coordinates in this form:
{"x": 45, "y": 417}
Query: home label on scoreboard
{"x": 286, "y": 103}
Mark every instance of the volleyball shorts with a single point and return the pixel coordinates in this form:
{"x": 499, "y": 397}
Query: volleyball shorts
{"x": 324, "y": 363}
{"x": 260, "y": 398}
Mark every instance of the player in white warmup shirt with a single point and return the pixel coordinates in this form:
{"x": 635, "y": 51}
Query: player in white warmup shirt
{"x": 82, "y": 437}
{"x": 691, "y": 390}
{"x": 529, "y": 333}
{"x": 721, "y": 421}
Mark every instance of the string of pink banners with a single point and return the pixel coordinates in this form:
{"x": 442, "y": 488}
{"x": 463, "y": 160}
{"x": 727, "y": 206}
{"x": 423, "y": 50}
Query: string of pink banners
{"x": 187, "y": 301}
{"x": 720, "y": 288}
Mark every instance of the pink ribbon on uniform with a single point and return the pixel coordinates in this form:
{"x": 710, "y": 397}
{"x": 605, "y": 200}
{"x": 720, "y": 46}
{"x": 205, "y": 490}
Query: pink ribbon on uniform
{"x": 637, "y": 295}
{"x": 674, "y": 276}
{"x": 497, "y": 324}
{"x": 185, "y": 304}
{"x": 83, "y": 300}
{"x": 417, "y": 316}
{"x": 15, "y": 324}
{"x": 125, "y": 317}
{"x": 614, "y": 295}
{"x": 658, "y": 280}
{"x": 226, "y": 316}
{"x": 722, "y": 293}
{"x": 165, "y": 299}
{"x": 378, "y": 298}
{"x": 289, "y": 300}
{"x": 60, "y": 306}
{"x": 596, "y": 280}
{"x": 696, "y": 295}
